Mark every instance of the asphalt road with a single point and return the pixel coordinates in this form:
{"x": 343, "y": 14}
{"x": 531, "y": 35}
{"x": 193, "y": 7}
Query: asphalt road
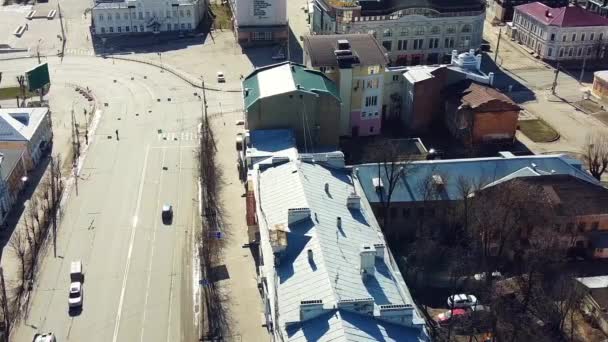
{"x": 138, "y": 272}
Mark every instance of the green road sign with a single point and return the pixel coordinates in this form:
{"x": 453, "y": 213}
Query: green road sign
{"x": 38, "y": 77}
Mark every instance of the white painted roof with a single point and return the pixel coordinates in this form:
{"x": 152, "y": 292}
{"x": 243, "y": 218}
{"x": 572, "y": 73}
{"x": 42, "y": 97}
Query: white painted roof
{"x": 333, "y": 273}
{"x": 598, "y": 282}
{"x": 276, "y": 80}
{"x": 18, "y": 124}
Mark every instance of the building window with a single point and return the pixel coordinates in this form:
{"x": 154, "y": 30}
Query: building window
{"x": 580, "y": 51}
{"x": 189, "y": 26}
{"x": 257, "y": 35}
{"x": 141, "y": 28}
{"x": 550, "y": 52}
{"x": 402, "y": 45}
{"x": 168, "y": 27}
{"x": 420, "y": 30}
{"x": 591, "y": 36}
{"x": 405, "y": 31}
{"x": 595, "y": 225}
{"x": 582, "y": 37}
{"x": 563, "y": 38}
{"x": 125, "y": 16}
{"x": 387, "y": 33}
{"x": 561, "y": 52}
{"x": 140, "y": 15}
{"x": 181, "y": 13}
{"x": 581, "y": 226}
{"x": 449, "y": 42}
{"x": 435, "y": 30}
{"x": 188, "y": 13}
{"x": 466, "y": 28}
{"x": 552, "y": 36}
{"x": 101, "y": 17}
{"x": 134, "y": 28}
{"x": 109, "y": 17}
{"x": 395, "y": 78}
{"x": 103, "y": 30}
{"x": 573, "y": 36}
{"x": 175, "y": 27}
{"x": 589, "y": 50}
{"x": 418, "y": 44}
{"x": 387, "y": 45}
{"x": 570, "y": 52}
{"x": 111, "y": 29}
{"x": 371, "y": 129}
{"x": 601, "y": 36}
{"x": 371, "y": 101}
{"x": 433, "y": 43}
{"x": 127, "y": 28}
{"x": 464, "y": 42}
{"x": 119, "y": 29}
{"x": 175, "y": 13}
{"x": 183, "y": 26}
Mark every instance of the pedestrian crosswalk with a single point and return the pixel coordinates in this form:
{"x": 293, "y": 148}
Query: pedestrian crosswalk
{"x": 181, "y": 136}
{"x": 79, "y": 52}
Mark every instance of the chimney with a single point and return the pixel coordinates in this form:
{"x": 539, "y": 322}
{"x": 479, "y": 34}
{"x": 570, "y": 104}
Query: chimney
{"x": 295, "y": 215}
{"x": 548, "y": 13}
{"x": 379, "y": 247}
{"x": 353, "y": 201}
{"x": 343, "y": 44}
{"x": 378, "y": 185}
{"x": 358, "y": 305}
{"x": 491, "y": 78}
{"x": 438, "y": 182}
{"x": 367, "y": 255}
{"x": 310, "y": 309}
{"x": 399, "y": 314}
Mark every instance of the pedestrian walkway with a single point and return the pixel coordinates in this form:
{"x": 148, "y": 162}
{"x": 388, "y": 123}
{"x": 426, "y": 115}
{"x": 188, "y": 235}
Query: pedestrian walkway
{"x": 182, "y": 136}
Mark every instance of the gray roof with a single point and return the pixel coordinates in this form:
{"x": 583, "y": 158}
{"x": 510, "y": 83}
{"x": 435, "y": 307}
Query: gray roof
{"x": 20, "y": 124}
{"x": 268, "y": 143}
{"x": 333, "y": 274}
{"x": 598, "y": 282}
{"x": 476, "y": 171}
{"x": 321, "y": 49}
{"x": 8, "y": 160}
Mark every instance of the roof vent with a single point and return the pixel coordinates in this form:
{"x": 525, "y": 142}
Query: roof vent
{"x": 378, "y": 185}
{"x": 327, "y": 188}
{"x": 359, "y": 305}
{"x": 295, "y": 215}
{"x": 343, "y": 44}
{"x": 397, "y": 313}
{"x": 339, "y": 222}
{"x": 548, "y": 14}
{"x": 298, "y": 86}
{"x": 310, "y": 309}
{"x": 353, "y": 201}
{"x": 379, "y": 247}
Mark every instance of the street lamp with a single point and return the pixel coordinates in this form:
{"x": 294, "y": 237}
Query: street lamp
{"x": 161, "y": 61}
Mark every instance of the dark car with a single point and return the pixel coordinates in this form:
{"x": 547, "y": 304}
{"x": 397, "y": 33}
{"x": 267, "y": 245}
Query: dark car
{"x": 167, "y": 213}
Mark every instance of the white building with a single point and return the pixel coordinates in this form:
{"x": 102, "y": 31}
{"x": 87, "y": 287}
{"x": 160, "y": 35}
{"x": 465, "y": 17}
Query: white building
{"x": 327, "y": 273}
{"x": 260, "y": 21}
{"x": 136, "y": 16}
{"x": 559, "y": 34}
{"x": 413, "y": 32}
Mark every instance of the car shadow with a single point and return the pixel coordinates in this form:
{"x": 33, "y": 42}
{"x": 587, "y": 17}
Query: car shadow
{"x": 75, "y": 311}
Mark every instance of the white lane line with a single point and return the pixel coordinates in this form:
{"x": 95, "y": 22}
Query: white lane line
{"x": 160, "y": 184}
{"x": 172, "y": 275}
{"x": 133, "y": 229}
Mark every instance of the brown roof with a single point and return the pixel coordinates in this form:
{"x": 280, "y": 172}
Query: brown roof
{"x": 474, "y": 94}
{"x": 321, "y": 49}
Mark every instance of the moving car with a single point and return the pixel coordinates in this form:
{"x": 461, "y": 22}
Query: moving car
{"x": 75, "y": 298}
{"x": 48, "y": 337}
{"x": 446, "y": 317}
{"x": 461, "y": 301}
{"x": 76, "y": 274}
{"x": 167, "y": 213}
{"x": 220, "y": 77}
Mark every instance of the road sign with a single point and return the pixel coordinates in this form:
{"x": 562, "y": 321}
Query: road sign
{"x": 38, "y": 77}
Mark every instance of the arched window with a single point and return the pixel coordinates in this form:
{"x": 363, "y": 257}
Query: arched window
{"x": 435, "y": 30}
{"x": 466, "y": 28}
{"x": 387, "y": 33}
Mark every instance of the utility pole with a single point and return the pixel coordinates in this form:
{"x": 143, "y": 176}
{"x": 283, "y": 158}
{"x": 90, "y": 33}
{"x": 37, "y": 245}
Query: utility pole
{"x": 497, "y": 44}
{"x": 62, "y": 31}
{"x": 555, "y": 80}
{"x": 288, "y": 47}
{"x": 54, "y": 206}
{"x": 580, "y": 79}
{"x": 7, "y": 321}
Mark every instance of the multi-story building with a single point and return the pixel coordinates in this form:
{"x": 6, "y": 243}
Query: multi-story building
{"x": 27, "y": 129}
{"x": 356, "y": 63}
{"x": 137, "y": 16}
{"x": 502, "y": 10}
{"x": 560, "y": 34}
{"x": 260, "y": 21}
{"x": 598, "y": 6}
{"x": 413, "y": 32}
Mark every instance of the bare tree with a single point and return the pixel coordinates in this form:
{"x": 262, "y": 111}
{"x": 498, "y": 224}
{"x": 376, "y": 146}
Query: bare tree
{"x": 596, "y": 153}
{"x": 19, "y": 246}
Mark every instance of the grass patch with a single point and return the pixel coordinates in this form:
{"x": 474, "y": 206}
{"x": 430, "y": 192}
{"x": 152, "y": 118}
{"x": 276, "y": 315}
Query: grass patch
{"x": 538, "y": 131}
{"x": 223, "y": 16}
{"x": 12, "y": 93}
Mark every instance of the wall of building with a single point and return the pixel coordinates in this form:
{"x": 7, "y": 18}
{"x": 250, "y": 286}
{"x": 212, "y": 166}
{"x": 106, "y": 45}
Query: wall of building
{"x": 14, "y": 182}
{"x": 494, "y": 126}
{"x": 600, "y": 87}
{"x": 261, "y": 12}
{"x": 292, "y": 110}
{"x": 556, "y": 43}
{"x": 124, "y": 20}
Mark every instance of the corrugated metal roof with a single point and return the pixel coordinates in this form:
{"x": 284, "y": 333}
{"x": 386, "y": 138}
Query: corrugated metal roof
{"x": 568, "y": 16}
{"x": 283, "y": 78}
{"x": 333, "y": 272}
{"x": 476, "y": 171}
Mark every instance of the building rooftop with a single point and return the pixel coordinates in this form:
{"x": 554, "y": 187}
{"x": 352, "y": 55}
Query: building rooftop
{"x": 476, "y": 171}
{"x": 263, "y": 145}
{"x": 474, "y": 95}
{"x": 321, "y": 49}
{"x": 8, "y": 160}
{"x": 568, "y": 16}
{"x": 598, "y": 282}
{"x": 440, "y": 6}
{"x": 20, "y": 124}
{"x": 603, "y": 75}
{"x": 283, "y": 78}
{"x": 315, "y": 245}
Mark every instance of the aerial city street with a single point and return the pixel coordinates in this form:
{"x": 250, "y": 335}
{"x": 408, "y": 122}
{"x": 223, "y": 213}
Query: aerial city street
{"x": 303, "y": 170}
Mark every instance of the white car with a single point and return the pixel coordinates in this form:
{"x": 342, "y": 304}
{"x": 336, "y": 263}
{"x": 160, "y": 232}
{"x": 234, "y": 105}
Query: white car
{"x": 48, "y": 337}
{"x": 461, "y": 301}
{"x": 75, "y": 299}
{"x": 220, "y": 77}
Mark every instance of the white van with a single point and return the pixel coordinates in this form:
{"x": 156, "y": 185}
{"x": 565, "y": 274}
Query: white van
{"x": 76, "y": 271}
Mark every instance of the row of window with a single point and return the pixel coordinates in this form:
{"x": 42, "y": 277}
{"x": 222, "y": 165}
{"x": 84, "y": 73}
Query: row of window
{"x": 141, "y": 28}
{"x": 369, "y": 115}
{"x": 140, "y": 15}
{"x": 371, "y": 101}
{"x": 537, "y": 29}
{"x": 421, "y": 30}
{"x": 433, "y": 43}
{"x": 583, "y": 36}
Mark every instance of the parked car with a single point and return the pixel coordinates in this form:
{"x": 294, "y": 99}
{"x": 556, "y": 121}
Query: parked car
{"x": 482, "y": 276}
{"x": 446, "y": 317}
{"x": 167, "y": 213}
{"x": 48, "y": 337}
{"x": 461, "y": 301}
{"x": 75, "y": 298}
{"x": 220, "y": 77}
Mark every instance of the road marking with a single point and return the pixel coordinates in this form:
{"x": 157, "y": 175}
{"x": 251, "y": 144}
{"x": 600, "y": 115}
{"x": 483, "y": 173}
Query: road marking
{"x": 179, "y": 178}
{"x": 160, "y": 183}
{"x": 133, "y": 229}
